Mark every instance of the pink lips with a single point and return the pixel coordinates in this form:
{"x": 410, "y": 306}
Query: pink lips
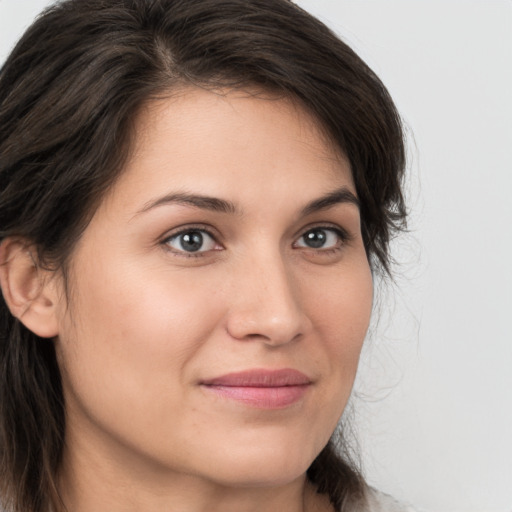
{"x": 264, "y": 389}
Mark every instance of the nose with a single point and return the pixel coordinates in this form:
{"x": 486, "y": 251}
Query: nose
{"x": 266, "y": 303}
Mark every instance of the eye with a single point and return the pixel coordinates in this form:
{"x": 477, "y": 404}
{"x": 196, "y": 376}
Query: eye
{"x": 321, "y": 238}
{"x": 192, "y": 241}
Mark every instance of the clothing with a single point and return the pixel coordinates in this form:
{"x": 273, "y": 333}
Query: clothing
{"x": 380, "y": 502}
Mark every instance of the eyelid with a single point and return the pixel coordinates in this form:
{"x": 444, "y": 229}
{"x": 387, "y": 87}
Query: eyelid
{"x": 343, "y": 233}
{"x": 324, "y": 255}
{"x": 180, "y": 230}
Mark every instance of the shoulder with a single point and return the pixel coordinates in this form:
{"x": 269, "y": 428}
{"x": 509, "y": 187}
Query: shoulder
{"x": 379, "y": 502}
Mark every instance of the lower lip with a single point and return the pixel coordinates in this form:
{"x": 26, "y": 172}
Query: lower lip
{"x": 262, "y": 397}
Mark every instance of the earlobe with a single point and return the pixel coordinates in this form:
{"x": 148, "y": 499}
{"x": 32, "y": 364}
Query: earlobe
{"x": 28, "y": 289}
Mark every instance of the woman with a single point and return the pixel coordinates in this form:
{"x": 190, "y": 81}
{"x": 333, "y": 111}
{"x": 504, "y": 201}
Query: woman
{"x": 195, "y": 196}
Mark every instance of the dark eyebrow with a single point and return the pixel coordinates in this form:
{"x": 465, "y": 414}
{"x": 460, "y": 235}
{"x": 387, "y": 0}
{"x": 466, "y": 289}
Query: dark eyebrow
{"x": 198, "y": 201}
{"x": 341, "y": 195}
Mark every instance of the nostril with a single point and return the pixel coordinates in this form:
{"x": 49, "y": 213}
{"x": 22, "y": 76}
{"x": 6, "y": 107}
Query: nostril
{"x": 268, "y": 308}
{"x": 262, "y": 327}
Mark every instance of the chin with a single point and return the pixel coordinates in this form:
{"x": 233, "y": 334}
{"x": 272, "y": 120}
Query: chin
{"x": 261, "y": 465}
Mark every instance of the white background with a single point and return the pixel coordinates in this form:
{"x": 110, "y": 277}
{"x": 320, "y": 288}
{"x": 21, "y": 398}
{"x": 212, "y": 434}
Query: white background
{"x": 434, "y": 395}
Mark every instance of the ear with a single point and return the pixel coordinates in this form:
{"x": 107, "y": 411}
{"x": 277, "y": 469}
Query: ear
{"x": 28, "y": 290}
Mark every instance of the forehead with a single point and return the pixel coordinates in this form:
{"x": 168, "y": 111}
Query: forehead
{"x": 234, "y": 142}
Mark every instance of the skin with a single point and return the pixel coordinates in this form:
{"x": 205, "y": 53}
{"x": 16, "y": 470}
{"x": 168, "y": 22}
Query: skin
{"x": 145, "y": 322}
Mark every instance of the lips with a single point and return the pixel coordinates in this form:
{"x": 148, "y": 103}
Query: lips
{"x": 264, "y": 389}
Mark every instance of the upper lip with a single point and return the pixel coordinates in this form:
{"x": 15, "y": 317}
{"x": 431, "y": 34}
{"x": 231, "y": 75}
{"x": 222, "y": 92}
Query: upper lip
{"x": 260, "y": 378}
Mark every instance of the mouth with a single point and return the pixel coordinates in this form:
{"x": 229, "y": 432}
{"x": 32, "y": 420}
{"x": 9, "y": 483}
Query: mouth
{"x": 263, "y": 389}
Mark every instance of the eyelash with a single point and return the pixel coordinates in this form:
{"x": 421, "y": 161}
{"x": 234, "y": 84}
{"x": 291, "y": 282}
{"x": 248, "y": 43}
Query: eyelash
{"x": 343, "y": 236}
{"x": 183, "y": 231}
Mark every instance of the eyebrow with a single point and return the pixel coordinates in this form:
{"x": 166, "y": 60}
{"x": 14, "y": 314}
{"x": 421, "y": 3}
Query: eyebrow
{"x": 196, "y": 200}
{"x": 338, "y": 196}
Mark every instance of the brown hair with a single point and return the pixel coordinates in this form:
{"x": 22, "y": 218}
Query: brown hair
{"x": 68, "y": 95}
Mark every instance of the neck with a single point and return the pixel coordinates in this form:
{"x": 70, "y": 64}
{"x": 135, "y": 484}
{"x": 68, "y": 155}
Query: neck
{"x": 90, "y": 481}
{"x": 187, "y": 494}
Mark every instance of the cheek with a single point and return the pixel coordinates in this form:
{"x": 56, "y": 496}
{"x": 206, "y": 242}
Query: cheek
{"x": 341, "y": 319}
{"x": 129, "y": 335}
{"x": 343, "y": 308}
{"x": 144, "y": 309}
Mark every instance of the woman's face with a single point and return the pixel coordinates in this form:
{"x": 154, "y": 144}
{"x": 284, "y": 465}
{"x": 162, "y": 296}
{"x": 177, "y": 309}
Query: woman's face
{"x": 219, "y": 298}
